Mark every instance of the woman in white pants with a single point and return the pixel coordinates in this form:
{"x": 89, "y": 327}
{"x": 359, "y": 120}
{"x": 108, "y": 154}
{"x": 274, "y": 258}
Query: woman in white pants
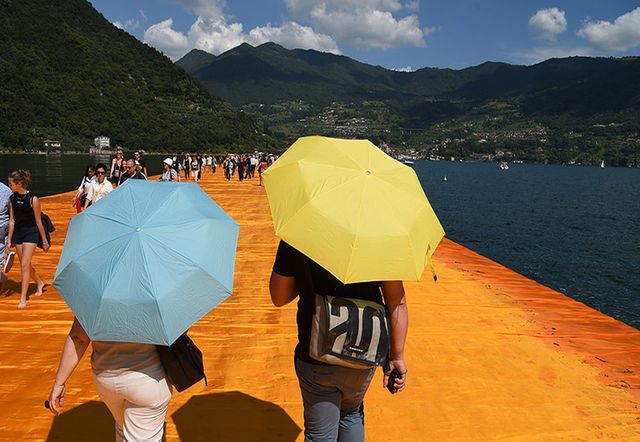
{"x": 129, "y": 378}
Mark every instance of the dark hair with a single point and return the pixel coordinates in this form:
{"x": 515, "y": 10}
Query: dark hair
{"x": 21, "y": 176}
{"x": 101, "y": 166}
{"x": 89, "y": 167}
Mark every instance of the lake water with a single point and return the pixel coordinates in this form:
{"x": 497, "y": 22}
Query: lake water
{"x": 60, "y": 173}
{"x": 574, "y": 229}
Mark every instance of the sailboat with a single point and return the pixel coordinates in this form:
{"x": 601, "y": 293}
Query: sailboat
{"x": 602, "y": 164}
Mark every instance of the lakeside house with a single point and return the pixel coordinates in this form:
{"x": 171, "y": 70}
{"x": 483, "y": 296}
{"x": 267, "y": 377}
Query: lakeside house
{"x": 51, "y": 144}
{"x": 102, "y": 145}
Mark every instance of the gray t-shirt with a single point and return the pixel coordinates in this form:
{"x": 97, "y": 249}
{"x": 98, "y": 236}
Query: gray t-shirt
{"x": 114, "y": 358}
{"x": 5, "y": 194}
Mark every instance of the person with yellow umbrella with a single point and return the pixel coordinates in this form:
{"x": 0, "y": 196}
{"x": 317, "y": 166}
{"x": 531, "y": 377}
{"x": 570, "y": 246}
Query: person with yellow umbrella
{"x": 353, "y": 223}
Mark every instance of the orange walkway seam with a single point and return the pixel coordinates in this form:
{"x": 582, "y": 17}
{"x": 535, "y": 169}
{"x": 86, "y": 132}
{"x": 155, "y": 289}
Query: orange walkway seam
{"x": 492, "y": 355}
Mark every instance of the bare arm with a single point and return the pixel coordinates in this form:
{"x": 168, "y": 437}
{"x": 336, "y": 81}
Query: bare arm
{"x": 38, "y": 214}
{"x": 90, "y": 196}
{"x": 74, "y": 347}
{"x": 394, "y": 298}
{"x": 282, "y": 289}
{"x": 12, "y": 224}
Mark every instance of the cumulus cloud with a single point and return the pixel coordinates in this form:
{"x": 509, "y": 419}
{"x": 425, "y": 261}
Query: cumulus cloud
{"x": 292, "y": 35}
{"x": 537, "y": 55}
{"x": 164, "y": 38}
{"x": 621, "y": 35}
{"x": 548, "y": 23}
{"x": 215, "y": 35}
{"x": 363, "y": 23}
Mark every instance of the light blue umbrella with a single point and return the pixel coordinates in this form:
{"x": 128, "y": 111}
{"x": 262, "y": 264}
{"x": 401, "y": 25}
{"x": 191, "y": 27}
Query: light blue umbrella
{"x": 147, "y": 261}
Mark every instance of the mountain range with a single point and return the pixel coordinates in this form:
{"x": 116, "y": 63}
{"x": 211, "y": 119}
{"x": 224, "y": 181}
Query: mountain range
{"x": 547, "y": 106}
{"x": 67, "y": 73}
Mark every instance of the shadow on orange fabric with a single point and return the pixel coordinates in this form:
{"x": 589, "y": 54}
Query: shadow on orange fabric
{"x": 233, "y": 416}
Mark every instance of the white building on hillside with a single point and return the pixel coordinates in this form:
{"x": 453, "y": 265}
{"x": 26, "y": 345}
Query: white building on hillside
{"x": 102, "y": 142}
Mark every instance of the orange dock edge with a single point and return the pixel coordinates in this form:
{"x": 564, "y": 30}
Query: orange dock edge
{"x": 492, "y": 355}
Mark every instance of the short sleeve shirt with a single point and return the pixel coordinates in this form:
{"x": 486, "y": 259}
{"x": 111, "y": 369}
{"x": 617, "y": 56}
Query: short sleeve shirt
{"x": 5, "y": 194}
{"x": 311, "y": 278}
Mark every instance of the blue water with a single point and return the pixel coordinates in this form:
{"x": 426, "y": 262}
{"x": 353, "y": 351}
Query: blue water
{"x": 574, "y": 229}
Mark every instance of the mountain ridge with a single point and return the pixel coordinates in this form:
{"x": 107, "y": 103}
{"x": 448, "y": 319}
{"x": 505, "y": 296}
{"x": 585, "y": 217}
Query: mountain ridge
{"x": 66, "y": 72}
{"x": 302, "y": 91}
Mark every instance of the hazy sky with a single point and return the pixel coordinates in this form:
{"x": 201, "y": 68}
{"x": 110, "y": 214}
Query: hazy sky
{"x": 396, "y": 34}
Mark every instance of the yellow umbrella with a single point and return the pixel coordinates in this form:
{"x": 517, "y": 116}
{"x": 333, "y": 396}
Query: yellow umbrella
{"x": 353, "y": 209}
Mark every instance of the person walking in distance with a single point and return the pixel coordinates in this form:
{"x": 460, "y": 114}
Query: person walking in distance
{"x": 100, "y": 188}
{"x": 131, "y": 172}
{"x": 25, "y": 229}
{"x": 117, "y": 167}
{"x": 5, "y": 196}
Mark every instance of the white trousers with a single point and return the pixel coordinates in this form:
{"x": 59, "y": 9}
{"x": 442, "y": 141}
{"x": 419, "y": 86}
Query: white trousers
{"x": 138, "y": 402}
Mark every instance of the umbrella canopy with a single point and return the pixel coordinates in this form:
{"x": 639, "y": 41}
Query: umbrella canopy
{"x": 353, "y": 209}
{"x": 147, "y": 261}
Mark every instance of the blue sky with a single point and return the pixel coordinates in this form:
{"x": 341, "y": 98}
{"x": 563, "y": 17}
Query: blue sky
{"x": 396, "y": 34}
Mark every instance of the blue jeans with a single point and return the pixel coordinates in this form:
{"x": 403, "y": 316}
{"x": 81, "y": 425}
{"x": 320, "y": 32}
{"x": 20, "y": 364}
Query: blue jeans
{"x": 333, "y": 401}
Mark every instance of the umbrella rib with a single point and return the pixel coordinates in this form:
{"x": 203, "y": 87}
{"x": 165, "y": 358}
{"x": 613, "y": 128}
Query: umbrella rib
{"x": 311, "y": 200}
{"x": 127, "y": 245}
{"x": 186, "y": 257}
{"x": 93, "y": 248}
{"x": 164, "y": 203}
{"x": 107, "y": 218}
{"x": 355, "y": 235}
{"x": 155, "y": 290}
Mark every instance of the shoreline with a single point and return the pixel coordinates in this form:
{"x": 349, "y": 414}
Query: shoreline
{"x": 514, "y": 162}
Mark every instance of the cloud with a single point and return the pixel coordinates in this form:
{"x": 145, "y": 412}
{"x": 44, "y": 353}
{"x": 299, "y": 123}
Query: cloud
{"x": 621, "y": 35}
{"x": 215, "y": 35}
{"x": 537, "y": 55}
{"x": 164, "y": 38}
{"x": 413, "y": 5}
{"x": 203, "y": 8}
{"x": 132, "y": 24}
{"x": 362, "y": 23}
{"x": 404, "y": 69}
{"x": 292, "y": 35}
{"x": 548, "y": 23}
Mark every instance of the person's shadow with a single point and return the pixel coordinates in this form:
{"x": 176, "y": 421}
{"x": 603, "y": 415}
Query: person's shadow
{"x": 90, "y": 421}
{"x": 233, "y": 416}
{"x": 12, "y": 287}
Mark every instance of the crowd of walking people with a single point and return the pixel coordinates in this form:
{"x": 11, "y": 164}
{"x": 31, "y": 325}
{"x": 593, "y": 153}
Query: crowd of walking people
{"x": 98, "y": 180}
{"x": 332, "y": 395}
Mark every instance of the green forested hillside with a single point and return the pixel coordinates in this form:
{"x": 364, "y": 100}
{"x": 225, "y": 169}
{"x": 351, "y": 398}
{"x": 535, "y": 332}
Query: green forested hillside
{"x": 67, "y": 73}
{"x": 576, "y": 110}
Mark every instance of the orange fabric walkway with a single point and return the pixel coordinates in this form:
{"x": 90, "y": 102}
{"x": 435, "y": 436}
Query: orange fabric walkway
{"x": 491, "y": 355}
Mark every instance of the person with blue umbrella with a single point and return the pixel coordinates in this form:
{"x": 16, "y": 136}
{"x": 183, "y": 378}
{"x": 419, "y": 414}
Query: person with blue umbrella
{"x": 134, "y": 281}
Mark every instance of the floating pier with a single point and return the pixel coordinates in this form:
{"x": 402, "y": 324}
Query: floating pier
{"x": 491, "y": 354}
